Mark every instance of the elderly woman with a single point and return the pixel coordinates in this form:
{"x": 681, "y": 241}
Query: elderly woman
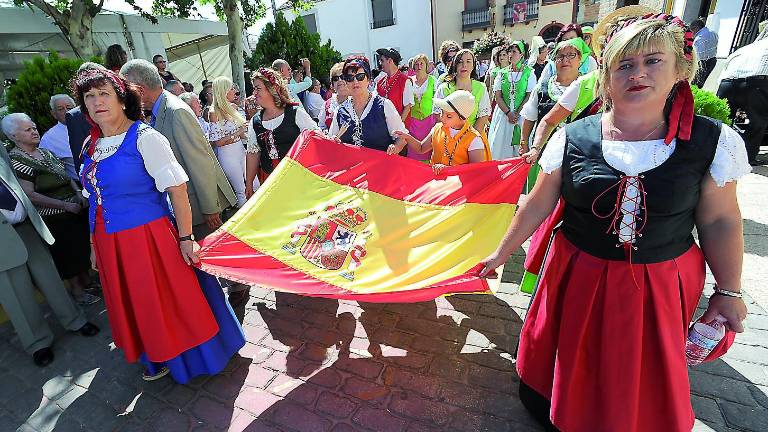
{"x": 511, "y": 90}
{"x": 59, "y": 201}
{"x": 162, "y": 312}
{"x": 193, "y": 101}
{"x": 546, "y": 95}
{"x": 227, "y": 134}
{"x": 588, "y": 63}
{"x": 274, "y": 128}
{"x": 603, "y": 347}
{"x": 462, "y": 76}
{"x": 366, "y": 119}
{"x": 340, "y": 94}
{"x": 422, "y": 118}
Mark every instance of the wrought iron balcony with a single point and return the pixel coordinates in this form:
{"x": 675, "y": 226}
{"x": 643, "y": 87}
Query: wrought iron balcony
{"x": 475, "y": 19}
{"x": 517, "y": 11}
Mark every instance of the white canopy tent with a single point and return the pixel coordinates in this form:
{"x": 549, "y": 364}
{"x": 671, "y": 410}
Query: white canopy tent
{"x": 195, "y": 49}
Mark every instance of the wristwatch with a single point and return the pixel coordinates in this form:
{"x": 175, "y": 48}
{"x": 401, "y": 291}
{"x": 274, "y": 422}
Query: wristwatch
{"x": 190, "y": 237}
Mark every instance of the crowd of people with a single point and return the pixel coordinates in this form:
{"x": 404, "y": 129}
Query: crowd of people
{"x": 139, "y": 166}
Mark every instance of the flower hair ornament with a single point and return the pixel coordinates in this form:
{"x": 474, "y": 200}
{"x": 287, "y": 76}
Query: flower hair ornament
{"x": 84, "y": 79}
{"x": 277, "y": 82}
{"x": 680, "y": 118}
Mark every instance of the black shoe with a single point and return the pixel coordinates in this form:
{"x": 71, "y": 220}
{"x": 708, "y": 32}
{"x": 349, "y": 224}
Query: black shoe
{"x": 88, "y": 330}
{"x": 43, "y": 357}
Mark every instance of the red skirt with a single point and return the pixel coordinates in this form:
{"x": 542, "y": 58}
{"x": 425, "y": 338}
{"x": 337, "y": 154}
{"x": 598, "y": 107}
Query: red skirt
{"x": 154, "y": 300}
{"x": 610, "y": 354}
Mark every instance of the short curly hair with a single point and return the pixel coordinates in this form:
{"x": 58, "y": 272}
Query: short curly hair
{"x": 127, "y": 93}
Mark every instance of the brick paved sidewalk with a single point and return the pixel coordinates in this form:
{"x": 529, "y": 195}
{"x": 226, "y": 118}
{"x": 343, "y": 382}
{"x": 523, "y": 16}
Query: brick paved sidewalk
{"x": 322, "y": 365}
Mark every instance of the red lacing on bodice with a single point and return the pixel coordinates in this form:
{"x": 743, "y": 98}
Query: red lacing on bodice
{"x": 617, "y": 222}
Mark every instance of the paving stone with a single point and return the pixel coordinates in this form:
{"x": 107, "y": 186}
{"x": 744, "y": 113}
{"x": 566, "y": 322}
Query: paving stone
{"x": 226, "y": 387}
{"x": 178, "y": 396}
{"x": 469, "y": 421}
{"x": 745, "y": 417}
{"x": 449, "y": 367}
{"x": 435, "y": 346}
{"x": 491, "y": 359}
{"x": 57, "y": 386}
{"x": 735, "y": 369}
{"x": 365, "y": 390}
{"x": 422, "y": 409}
{"x": 420, "y": 427}
{"x": 721, "y": 388}
{"x": 256, "y": 353}
{"x": 365, "y": 368}
{"x": 256, "y": 401}
{"x": 297, "y": 418}
{"x": 343, "y": 427}
{"x": 411, "y": 360}
{"x": 419, "y": 383}
{"x": 329, "y": 378}
{"x": 493, "y": 379}
{"x": 706, "y": 409}
{"x": 335, "y": 406}
{"x": 211, "y": 411}
{"x": 171, "y": 420}
{"x": 378, "y": 420}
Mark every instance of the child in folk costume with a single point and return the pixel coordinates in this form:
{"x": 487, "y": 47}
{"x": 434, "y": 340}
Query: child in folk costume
{"x": 453, "y": 141}
{"x": 511, "y": 89}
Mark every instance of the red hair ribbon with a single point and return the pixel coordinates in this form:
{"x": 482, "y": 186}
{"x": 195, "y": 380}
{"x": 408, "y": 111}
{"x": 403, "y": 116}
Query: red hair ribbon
{"x": 681, "y": 114}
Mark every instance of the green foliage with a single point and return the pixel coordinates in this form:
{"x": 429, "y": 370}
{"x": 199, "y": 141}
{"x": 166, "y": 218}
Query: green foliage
{"x": 488, "y": 42}
{"x": 40, "y": 79}
{"x": 291, "y": 42}
{"x": 708, "y": 104}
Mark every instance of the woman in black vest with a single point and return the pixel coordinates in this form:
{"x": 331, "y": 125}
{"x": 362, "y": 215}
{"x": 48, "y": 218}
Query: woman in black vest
{"x": 274, "y": 127}
{"x": 603, "y": 345}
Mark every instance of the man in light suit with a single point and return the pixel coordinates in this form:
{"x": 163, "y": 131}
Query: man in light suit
{"x": 209, "y": 190}
{"x": 25, "y": 259}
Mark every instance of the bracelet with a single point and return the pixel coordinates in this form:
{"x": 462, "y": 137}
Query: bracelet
{"x": 727, "y": 293}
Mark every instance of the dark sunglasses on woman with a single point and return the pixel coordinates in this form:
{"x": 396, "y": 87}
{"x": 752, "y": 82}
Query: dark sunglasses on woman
{"x": 335, "y": 78}
{"x": 360, "y": 77}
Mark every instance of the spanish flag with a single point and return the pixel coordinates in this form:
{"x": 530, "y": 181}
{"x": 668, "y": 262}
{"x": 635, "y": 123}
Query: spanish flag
{"x": 346, "y": 222}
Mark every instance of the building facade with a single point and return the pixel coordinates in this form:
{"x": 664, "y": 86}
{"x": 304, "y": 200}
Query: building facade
{"x": 363, "y": 26}
{"x": 465, "y": 21}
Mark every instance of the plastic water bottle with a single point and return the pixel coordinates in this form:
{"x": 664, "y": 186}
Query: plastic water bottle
{"x": 703, "y": 338}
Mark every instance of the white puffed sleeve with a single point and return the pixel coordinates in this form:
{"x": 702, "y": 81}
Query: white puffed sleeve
{"x": 159, "y": 160}
{"x": 552, "y": 157}
{"x": 730, "y": 162}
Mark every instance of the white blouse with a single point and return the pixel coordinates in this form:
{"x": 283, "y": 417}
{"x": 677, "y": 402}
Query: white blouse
{"x": 303, "y": 121}
{"x": 636, "y": 157}
{"x": 156, "y": 152}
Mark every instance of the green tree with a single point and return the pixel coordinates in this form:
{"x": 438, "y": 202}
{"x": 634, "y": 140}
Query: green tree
{"x": 291, "y": 42}
{"x": 236, "y": 13}
{"x": 40, "y": 79}
{"x": 75, "y": 20}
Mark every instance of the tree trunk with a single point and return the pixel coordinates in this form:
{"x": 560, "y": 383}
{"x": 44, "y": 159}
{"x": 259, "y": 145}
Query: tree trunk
{"x": 80, "y": 30}
{"x": 235, "y": 33}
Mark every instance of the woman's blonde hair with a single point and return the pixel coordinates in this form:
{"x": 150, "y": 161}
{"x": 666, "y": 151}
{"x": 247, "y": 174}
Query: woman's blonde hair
{"x": 421, "y": 57}
{"x": 275, "y": 85}
{"x": 221, "y": 106}
{"x": 640, "y": 37}
{"x": 336, "y": 69}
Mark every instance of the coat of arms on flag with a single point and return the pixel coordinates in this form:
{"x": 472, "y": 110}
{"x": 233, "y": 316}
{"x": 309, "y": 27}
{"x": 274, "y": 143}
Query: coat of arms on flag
{"x": 348, "y": 222}
{"x": 332, "y": 239}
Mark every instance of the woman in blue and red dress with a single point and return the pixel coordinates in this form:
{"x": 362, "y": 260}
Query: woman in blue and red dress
{"x": 603, "y": 344}
{"x": 162, "y": 312}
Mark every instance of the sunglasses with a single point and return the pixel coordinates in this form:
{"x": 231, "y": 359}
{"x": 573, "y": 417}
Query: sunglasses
{"x": 335, "y": 78}
{"x": 160, "y": 61}
{"x": 237, "y": 93}
{"x": 360, "y": 77}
